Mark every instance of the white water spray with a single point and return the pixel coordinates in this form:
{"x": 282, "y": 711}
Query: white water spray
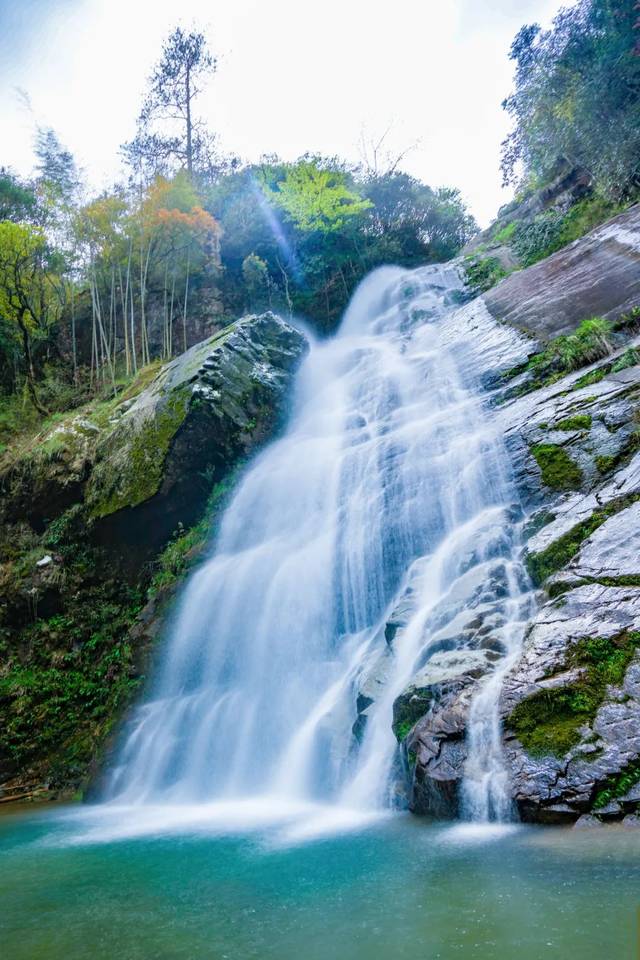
{"x": 389, "y": 469}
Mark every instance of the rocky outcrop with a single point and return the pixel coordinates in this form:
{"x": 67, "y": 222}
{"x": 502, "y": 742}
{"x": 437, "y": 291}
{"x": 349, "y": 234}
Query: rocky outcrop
{"x": 90, "y": 512}
{"x": 144, "y": 462}
{"x": 598, "y": 275}
{"x": 569, "y": 706}
{"x": 205, "y": 411}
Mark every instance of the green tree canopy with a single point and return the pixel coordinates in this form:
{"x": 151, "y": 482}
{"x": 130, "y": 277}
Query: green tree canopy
{"x": 577, "y": 97}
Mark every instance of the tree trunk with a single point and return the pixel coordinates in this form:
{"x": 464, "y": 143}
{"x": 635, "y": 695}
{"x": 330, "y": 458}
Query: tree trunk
{"x": 184, "y": 309}
{"x": 189, "y": 127}
{"x": 28, "y": 361}
{"x": 74, "y": 345}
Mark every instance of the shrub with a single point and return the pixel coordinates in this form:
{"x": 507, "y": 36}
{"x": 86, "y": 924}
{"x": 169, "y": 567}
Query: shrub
{"x": 483, "y": 273}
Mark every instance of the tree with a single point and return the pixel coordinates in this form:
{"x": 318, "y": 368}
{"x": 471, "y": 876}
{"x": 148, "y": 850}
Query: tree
{"x": 315, "y": 197}
{"x": 412, "y": 223}
{"x": 30, "y": 301}
{"x": 168, "y": 131}
{"x": 18, "y": 201}
{"x": 576, "y": 100}
{"x": 317, "y": 226}
{"x": 57, "y": 184}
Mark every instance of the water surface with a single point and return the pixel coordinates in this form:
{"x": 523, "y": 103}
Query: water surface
{"x": 399, "y": 888}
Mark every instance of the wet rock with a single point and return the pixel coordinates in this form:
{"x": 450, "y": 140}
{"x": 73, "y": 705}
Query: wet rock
{"x": 606, "y": 743}
{"x": 587, "y": 822}
{"x": 597, "y": 275}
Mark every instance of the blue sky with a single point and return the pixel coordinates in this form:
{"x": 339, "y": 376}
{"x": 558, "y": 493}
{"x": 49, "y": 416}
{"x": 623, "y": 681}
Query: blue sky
{"x": 294, "y": 76}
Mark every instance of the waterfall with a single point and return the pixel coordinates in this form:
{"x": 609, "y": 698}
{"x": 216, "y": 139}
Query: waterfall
{"x": 390, "y": 477}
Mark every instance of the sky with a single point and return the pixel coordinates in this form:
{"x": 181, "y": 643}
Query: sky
{"x": 294, "y": 76}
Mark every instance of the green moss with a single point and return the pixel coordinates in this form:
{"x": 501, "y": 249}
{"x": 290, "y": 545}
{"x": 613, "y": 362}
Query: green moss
{"x": 558, "y": 470}
{"x": 559, "y": 553}
{"x": 549, "y": 722}
{"x": 605, "y": 463}
{"x": 581, "y": 421}
{"x": 403, "y": 729}
{"x": 594, "y": 376}
{"x": 408, "y": 709}
{"x": 126, "y": 483}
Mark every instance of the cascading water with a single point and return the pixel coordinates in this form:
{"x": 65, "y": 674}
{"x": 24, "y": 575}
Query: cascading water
{"x": 389, "y": 473}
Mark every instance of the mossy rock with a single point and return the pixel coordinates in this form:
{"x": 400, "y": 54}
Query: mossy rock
{"x": 558, "y": 471}
{"x": 550, "y": 721}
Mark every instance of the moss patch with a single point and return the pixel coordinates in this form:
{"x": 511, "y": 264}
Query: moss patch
{"x": 132, "y": 479}
{"x": 403, "y": 729}
{"x": 549, "y": 722}
{"x": 558, "y": 554}
{"x": 558, "y": 470}
{"x": 594, "y": 376}
{"x": 581, "y": 421}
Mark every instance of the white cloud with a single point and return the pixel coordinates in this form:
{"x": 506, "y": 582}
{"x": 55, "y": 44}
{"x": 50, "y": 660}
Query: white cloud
{"x": 293, "y": 77}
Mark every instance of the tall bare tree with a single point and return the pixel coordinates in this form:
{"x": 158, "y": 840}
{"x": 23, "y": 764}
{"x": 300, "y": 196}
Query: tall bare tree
{"x": 169, "y": 133}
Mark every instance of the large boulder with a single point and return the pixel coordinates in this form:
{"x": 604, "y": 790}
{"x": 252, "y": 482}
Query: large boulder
{"x": 597, "y": 275}
{"x": 145, "y": 462}
{"x": 203, "y": 413}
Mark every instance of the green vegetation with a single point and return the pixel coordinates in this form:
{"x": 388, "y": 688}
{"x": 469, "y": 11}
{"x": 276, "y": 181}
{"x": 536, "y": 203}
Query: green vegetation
{"x": 552, "y": 230}
{"x": 116, "y": 484}
{"x": 629, "y": 358}
{"x": 594, "y": 376}
{"x": 575, "y": 108}
{"x": 549, "y": 722}
{"x": 605, "y": 463}
{"x": 542, "y": 565}
{"x": 505, "y": 234}
{"x": 65, "y": 682}
{"x": 580, "y": 421}
{"x": 558, "y": 470}
{"x": 403, "y": 729}
{"x": 591, "y": 341}
{"x": 482, "y": 273}
{"x": 618, "y": 785}
{"x": 186, "y": 545}
{"x": 577, "y": 96}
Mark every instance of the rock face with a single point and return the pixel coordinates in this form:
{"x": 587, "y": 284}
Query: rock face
{"x": 580, "y": 734}
{"x": 101, "y": 495}
{"x": 598, "y": 275}
{"x": 569, "y": 707}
